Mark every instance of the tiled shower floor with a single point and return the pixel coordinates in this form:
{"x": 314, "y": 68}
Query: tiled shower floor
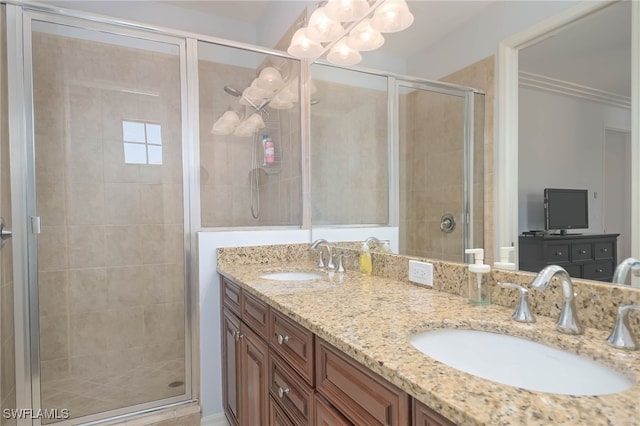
{"x": 115, "y": 390}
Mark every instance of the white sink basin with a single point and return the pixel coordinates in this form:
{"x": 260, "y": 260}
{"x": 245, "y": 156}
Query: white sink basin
{"x": 291, "y": 276}
{"x": 519, "y": 362}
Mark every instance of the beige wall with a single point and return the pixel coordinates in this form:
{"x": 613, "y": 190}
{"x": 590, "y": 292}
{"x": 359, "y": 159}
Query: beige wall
{"x": 110, "y": 256}
{"x": 481, "y": 75}
{"x": 349, "y": 155}
{"x": 226, "y": 160}
{"x": 7, "y": 352}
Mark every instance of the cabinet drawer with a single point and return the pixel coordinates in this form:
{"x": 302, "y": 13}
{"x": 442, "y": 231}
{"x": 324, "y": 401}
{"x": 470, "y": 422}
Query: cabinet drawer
{"x": 362, "y": 396}
{"x": 293, "y": 343}
{"x": 326, "y": 415}
{"x": 255, "y": 313}
{"x": 598, "y": 270}
{"x": 554, "y": 253}
{"x": 292, "y": 393}
{"x": 425, "y": 416}
{"x": 580, "y": 252}
{"x": 231, "y": 295}
{"x": 277, "y": 417}
{"x": 603, "y": 250}
{"x": 574, "y": 270}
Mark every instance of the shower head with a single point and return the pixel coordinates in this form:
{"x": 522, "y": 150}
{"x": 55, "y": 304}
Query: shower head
{"x": 233, "y": 92}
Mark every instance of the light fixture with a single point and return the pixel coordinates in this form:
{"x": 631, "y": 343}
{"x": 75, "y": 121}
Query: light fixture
{"x": 392, "y": 16}
{"x": 327, "y": 25}
{"x": 321, "y": 28}
{"x": 364, "y": 37}
{"x": 269, "y": 79}
{"x": 303, "y": 47}
{"x": 342, "y": 54}
{"x": 347, "y": 10}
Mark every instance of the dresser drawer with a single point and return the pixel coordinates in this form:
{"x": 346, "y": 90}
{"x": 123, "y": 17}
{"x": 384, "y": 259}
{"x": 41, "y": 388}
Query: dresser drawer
{"x": 597, "y": 271}
{"x": 554, "y": 253}
{"x": 290, "y": 392}
{"x": 231, "y": 295}
{"x": 603, "y": 250}
{"x": 293, "y": 343}
{"x": 580, "y": 252}
{"x": 255, "y": 313}
{"x": 326, "y": 415}
{"x": 362, "y": 396}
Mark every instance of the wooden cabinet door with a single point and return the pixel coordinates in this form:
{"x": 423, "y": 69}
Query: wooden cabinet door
{"x": 425, "y": 416}
{"x": 277, "y": 417}
{"x": 326, "y": 415}
{"x": 230, "y": 367}
{"x": 254, "y": 356}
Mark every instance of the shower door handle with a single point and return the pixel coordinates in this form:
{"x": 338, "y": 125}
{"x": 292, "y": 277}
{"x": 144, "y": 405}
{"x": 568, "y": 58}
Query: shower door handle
{"x": 5, "y": 233}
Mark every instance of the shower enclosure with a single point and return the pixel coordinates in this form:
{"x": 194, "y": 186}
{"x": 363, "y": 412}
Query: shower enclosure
{"x": 101, "y": 225}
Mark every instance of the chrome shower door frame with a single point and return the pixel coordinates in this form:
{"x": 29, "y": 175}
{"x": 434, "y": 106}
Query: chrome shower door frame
{"x": 26, "y": 221}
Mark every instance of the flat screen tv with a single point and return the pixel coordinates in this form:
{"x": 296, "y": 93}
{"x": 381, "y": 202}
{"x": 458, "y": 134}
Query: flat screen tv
{"x": 566, "y": 209}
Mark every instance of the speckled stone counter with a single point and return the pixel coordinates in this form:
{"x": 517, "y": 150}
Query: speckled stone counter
{"x": 372, "y": 318}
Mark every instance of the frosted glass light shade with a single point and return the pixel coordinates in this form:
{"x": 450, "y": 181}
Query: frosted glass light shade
{"x": 347, "y": 10}
{"x": 342, "y": 54}
{"x": 257, "y": 92}
{"x": 290, "y": 91}
{"x": 255, "y": 121}
{"x": 278, "y": 103}
{"x": 303, "y": 47}
{"x": 270, "y": 79}
{"x": 364, "y": 37}
{"x": 392, "y": 16}
{"x": 248, "y": 99}
{"x": 321, "y": 28}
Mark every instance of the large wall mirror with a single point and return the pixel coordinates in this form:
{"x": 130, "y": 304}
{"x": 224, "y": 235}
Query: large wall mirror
{"x": 574, "y": 132}
{"x": 394, "y": 158}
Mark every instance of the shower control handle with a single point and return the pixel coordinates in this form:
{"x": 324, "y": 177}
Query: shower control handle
{"x": 5, "y": 233}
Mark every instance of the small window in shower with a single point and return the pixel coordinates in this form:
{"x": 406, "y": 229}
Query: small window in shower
{"x": 142, "y": 142}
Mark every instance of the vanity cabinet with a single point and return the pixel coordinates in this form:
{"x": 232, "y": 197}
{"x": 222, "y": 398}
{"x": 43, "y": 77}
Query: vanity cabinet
{"x": 589, "y": 256}
{"x": 276, "y": 372}
{"x": 425, "y": 416}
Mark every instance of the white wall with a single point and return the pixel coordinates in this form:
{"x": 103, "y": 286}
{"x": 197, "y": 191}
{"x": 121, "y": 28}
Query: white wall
{"x": 209, "y": 294}
{"x": 561, "y": 145}
{"x": 480, "y": 38}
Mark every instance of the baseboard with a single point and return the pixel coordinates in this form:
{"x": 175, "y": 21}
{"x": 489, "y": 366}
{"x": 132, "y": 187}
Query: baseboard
{"x": 218, "y": 419}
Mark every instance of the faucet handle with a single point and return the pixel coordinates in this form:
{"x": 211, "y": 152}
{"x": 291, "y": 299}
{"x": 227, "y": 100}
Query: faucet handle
{"x": 621, "y": 336}
{"x": 320, "y": 263}
{"x": 522, "y": 312}
{"x": 341, "y": 257}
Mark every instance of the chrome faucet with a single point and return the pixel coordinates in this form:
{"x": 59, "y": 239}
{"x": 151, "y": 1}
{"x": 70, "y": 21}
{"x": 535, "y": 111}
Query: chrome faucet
{"x": 317, "y": 245}
{"x": 568, "y": 322}
{"x": 621, "y": 337}
{"x": 622, "y": 270}
{"x": 374, "y": 240}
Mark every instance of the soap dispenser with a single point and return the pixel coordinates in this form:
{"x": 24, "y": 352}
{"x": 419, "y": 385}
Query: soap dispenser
{"x": 478, "y": 279}
{"x": 365, "y": 259}
{"x": 505, "y": 253}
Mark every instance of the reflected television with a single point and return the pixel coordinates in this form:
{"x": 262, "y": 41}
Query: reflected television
{"x": 566, "y": 209}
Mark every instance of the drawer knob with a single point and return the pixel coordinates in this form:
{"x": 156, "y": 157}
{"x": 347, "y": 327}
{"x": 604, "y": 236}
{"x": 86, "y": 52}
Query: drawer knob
{"x": 237, "y": 335}
{"x": 604, "y": 250}
{"x": 558, "y": 253}
{"x": 583, "y": 252}
{"x": 282, "y": 391}
{"x": 282, "y": 339}
{"x": 599, "y": 270}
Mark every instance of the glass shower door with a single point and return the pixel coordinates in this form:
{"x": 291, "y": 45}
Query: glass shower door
{"x": 433, "y": 185}
{"x": 110, "y": 256}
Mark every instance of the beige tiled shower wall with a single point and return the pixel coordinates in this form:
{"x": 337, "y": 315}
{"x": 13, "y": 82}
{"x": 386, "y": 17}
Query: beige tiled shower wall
{"x": 7, "y": 336}
{"x": 110, "y": 256}
{"x": 481, "y": 75}
{"x": 226, "y": 160}
{"x": 432, "y": 181}
{"x": 349, "y": 155}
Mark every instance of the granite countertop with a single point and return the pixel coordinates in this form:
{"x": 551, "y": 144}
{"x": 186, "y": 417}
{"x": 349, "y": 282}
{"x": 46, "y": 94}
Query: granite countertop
{"x": 371, "y": 319}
